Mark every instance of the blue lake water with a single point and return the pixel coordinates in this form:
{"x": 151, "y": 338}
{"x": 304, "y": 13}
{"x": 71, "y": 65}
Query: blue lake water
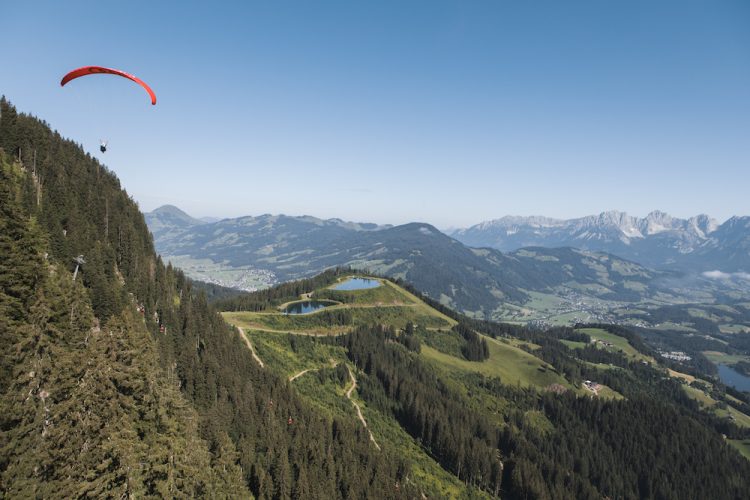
{"x": 357, "y": 284}
{"x": 732, "y": 377}
{"x": 306, "y": 306}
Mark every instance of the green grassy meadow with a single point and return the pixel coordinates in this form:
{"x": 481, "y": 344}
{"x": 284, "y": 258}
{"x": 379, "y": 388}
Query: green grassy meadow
{"x": 609, "y": 393}
{"x": 742, "y": 445}
{"x": 512, "y": 365}
{"x": 574, "y": 344}
{"x": 619, "y": 344}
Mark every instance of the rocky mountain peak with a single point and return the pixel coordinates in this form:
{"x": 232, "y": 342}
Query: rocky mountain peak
{"x": 703, "y": 225}
{"x": 510, "y": 221}
{"x": 614, "y": 223}
{"x": 657, "y": 222}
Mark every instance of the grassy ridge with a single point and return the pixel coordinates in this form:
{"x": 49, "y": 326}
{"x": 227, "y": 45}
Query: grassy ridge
{"x": 325, "y": 322}
{"x": 387, "y": 304}
{"x": 511, "y": 364}
{"x": 618, "y": 343}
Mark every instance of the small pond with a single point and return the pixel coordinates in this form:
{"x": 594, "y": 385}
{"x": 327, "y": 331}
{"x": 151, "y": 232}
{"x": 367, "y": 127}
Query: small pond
{"x": 306, "y": 306}
{"x": 357, "y": 284}
{"x": 732, "y": 377}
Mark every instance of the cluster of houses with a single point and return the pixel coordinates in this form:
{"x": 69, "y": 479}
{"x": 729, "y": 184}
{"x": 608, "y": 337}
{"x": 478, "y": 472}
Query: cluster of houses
{"x": 675, "y": 355}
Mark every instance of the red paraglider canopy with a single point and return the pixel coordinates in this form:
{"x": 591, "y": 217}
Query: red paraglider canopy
{"x": 92, "y": 70}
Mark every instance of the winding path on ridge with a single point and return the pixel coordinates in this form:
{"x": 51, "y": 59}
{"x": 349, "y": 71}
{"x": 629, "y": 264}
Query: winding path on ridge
{"x": 332, "y": 364}
{"x": 298, "y": 375}
{"x": 250, "y": 346}
{"x": 359, "y": 410}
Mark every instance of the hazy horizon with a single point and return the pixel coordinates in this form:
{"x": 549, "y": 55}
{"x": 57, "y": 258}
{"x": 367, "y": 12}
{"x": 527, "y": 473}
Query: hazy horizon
{"x": 442, "y": 228}
{"x": 450, "y": 113}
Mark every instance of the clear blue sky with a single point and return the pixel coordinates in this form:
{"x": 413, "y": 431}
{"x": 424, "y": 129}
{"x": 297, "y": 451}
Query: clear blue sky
{"x": 393, "y": 111}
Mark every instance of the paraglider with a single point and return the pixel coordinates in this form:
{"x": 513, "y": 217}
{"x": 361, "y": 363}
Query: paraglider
{"x": 94, "y": 70}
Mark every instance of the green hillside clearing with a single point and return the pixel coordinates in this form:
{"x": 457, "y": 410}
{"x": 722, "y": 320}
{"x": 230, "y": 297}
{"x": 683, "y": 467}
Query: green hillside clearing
{"x": 743, "y": 445}
{"x": 511, "y": 364}
{"x": 619, "y": 344}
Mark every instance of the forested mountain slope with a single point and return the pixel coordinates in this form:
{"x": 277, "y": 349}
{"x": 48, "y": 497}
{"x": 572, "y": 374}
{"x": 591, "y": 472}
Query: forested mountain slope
{"x": 125, "y": 382}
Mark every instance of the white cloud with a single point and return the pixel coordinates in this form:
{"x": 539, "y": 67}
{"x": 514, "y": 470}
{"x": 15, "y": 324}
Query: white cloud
{"x": 720, "y": 275}
{"x": 717, "y": 275}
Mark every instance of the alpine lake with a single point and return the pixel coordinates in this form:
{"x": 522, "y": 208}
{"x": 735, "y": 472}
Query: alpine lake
{"x": 310, "y": 306}
{"x": 307, "y": 306}
{"x": 732, "y": 377}
{"x": 357, "y": 284}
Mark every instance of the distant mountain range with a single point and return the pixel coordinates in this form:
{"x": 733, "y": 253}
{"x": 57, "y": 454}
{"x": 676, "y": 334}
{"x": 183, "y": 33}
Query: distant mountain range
{"x": 658, "y": 240}
{"x": 479, "y": 281}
